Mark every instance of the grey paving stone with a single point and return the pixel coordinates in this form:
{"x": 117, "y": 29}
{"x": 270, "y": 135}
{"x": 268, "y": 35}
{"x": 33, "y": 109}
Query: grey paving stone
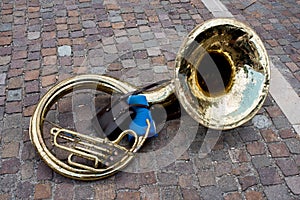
{"x": 269, "y": 176}
{"x": 111, "y": 49}
{"x": 116, "y": 19}
{"x": 167, "y": 179}
{"x": 154, "y": 51}
{"x": 7, "y": 182}
{"x": 287, "y": 166}
{"x": 133, "y": 31}
{"x": 160, "y": 69}
{"x": 293, "y": 184}
{"x": 151, "y": 43}
{"x": 5, "y": 27}
{"x": 1, "y": 113}
{"x": 11, "y": 134}
{"x": 130, "y": 63}
{"x": 296, "y": 45}
{"x": 206, "y": 178}
{"x": 65, "y": 50}
{"x": 170, "y": 193}
{"x": 249, "y": 134}
{"x": 2, "y": 78}
{"x": 146, "y": 75}
{"x": 33, "y": 35}
{"x": 14, "y": 95}
{"x": 211, "y": 192}
{"x": 247, "y": 182}
{"x": 277, "y": 192}
{"x": 88, "y": 24}
{"x": 294, "y": 145}
{"x": 261, "y": 121}
{"x": 4, "y": 60}
{"x": 280, "y": 122}
{"x": 147, "y": 36}
{"x": 227, "y": 184}
{"x": 138, "y": 46}
{"x": 142, "y": 22}
{"x": 261, "y": 161}
{"x": 24, "y": 190}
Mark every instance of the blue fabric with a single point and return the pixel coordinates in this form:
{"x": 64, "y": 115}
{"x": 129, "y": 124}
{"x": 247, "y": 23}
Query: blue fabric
{"x": 139, "y": 124}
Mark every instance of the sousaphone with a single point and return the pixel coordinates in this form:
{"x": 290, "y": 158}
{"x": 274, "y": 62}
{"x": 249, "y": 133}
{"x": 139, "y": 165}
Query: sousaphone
{"x": 221, "y": 80}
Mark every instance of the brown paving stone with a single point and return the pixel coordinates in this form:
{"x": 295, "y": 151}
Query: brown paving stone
{"x": 44, "y": 172}
{"x": 278, "y": 150}
{"x": 254, "y": 195}
{"x": 5, "y": 196}
{"x": 5, "y": 51}
{"x": 28, "y": 151}
{"x": 19, "y": 55}
{"x": 206, "y": 178}
{"x": 84, "y": 192}
{"x": 269, "y": 135}
{"x": 127, "y": 180}
{"x": 64, "y": 191}
{"x": 48, "y": 80}
{"x": 32, "y": 86}
{"x": 233, "y": 196}
{"x": 49, "y": 60}
{"x": 48, "y": 51}
{"x": 274, "y": 111}
{"x": 42, "y": 191}
{"x": 105, "y": 191}
{"x": 13, "y": 107}
{"x": 147, "y": 178}
{"x": 256, "y": 148}
{"x": 31, "y": 65}
{"x": 247, "y": 182}
{"x": 10, "y": 166}
{"x": 15, "y": 82}
{"x": 286, "y": 133}
{"x": 18, "y": 63}
{"x": 5, "y": 40}
{"x": 10, "y": 150}
{"x": 190, "y": 194}
{"x": 187, "y": 181}
{"x": 31, "y": 75}
{"x": 28, "y": 111}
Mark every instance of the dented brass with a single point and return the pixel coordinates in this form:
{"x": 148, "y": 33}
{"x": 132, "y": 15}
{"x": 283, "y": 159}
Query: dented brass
{"x": 221, "y": 79}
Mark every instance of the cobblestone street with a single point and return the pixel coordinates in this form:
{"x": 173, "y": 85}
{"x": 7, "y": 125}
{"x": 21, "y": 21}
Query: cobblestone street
{"x": 43, "y": 42}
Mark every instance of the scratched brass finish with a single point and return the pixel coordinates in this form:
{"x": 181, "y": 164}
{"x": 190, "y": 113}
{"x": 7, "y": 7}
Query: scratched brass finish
{"x": 107, "y": 157}
{"x": 221, "y": 79}
{"x": 222, "y": 74}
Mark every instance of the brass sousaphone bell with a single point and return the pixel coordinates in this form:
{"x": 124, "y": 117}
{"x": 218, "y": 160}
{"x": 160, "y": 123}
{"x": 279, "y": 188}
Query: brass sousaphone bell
{"x": 221, "y": 80}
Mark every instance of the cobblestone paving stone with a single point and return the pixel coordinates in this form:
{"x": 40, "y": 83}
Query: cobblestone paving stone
{"x": 43, "y": 42}
{"x": 278, "y": 24}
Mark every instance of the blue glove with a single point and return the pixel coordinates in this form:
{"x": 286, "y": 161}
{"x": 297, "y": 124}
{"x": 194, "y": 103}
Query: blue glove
{"x": 139, "y": 124}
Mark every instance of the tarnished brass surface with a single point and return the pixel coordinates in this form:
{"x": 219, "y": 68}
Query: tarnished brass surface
{"x": 221, "y": 79}
{"x": 236, "y": 85}
{"x": 98, "y": 150}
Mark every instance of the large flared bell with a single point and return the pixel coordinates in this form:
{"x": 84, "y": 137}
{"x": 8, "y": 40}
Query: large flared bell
{"x": 222, "y": 73}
